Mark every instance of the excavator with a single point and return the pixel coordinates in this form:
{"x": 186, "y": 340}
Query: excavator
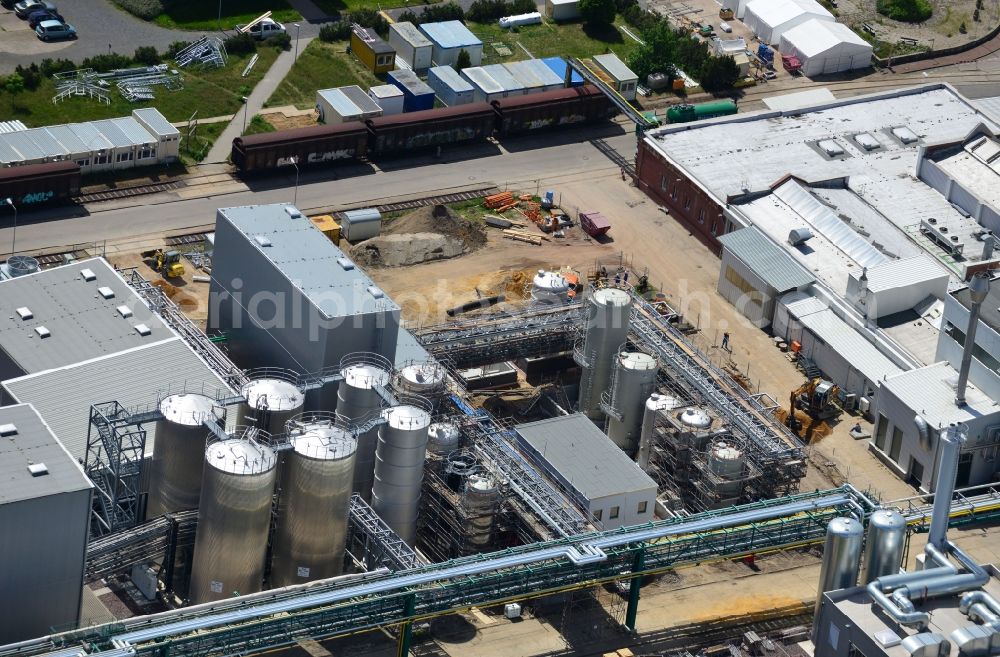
{"x": 815, "y": 397}
{"x": 167, "y": 263}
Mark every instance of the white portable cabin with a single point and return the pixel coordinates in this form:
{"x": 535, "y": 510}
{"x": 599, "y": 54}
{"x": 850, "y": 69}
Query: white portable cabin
{"x": 486, "y": 88}
{"x": 156, "y": 124}
{"x": 562, "y": 10}
{"x": 345, "y": 104}
{"x": 625, "y": 79}
{"x": 510, "y": 84}
{"x": 450, "y": 87}
{"x": 360, "y": 225}
{"x": 411, "y": 45}
{"x": 448, "y": 39}
{"x": 389, "y": 97}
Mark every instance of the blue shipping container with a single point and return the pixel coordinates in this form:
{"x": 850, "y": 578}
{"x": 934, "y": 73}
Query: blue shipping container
{"x": 449, "y": 86}
{"x": 417, "y": 95}
{"x": 559, "y": 66}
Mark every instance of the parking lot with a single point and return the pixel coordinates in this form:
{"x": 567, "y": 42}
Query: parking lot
{"x": 100, "y": 25}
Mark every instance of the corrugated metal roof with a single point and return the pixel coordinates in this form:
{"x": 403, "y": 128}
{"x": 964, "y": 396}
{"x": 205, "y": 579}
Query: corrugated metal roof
{"x": 81, "y": 322}
{"x": 503, "y": 77}
{"x": 806, "y": 306}
{"x": 46, "y": 143}
{"x": 345, "y": 105}
{"x": 411, "y": 81}
{"x": 136, "y": 378}
{"x": 583, "y": 456}
{"x": 113, "y": 133}
{"x": 68, "y": 139}
{"x": 409, "y": 33}
{"x": 20, "y": 142}
{"x": 90, "y": 135}
{"x": 156, "y": 121}
{"x": 450, "y": 34}
{"x": 482, "y": 80}
{"x": 930, "y": 391}
{"x": 34, "y": 443}
{"x": 450, "y": 77}
{"x": 903, "y": 273}
{"x": 357, "y": 96}
{"x": 134, "y": 131}
{"x": 524, "y": 75}
{"x": 543, "y": 72}
{"x": 766, "y": 259}
{"x": 12, "y": 126}
{"x": 615, "y": 67}
{"x": 8, "y": 153}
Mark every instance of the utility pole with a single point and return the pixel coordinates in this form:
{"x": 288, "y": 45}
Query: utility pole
{"x": 13, "y": 239}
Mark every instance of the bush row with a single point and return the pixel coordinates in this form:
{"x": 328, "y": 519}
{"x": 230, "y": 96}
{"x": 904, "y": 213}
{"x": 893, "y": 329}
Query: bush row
{"x": 144, "y": 9}
{"x": 486, "y": 11}
{"x": 448, "y": 11}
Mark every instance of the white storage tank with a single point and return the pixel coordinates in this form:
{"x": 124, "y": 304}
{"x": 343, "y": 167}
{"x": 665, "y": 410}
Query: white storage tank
{"x": 399, "y": 467}
{"x": 411, "y": 45}
{"x": 656, "y": 406}
{"x": 634, "y": 381}
{"x": 272, "y": 397}
{"x": 359, "y": 403}
{"x": 549, "y": 287}
{"x": 314, "y": 500}
{"x": 389, "y": 97}
{"x": 727, "y": 463}
{"x": 443, "y": 438}
{"x": 425, "y": 378}
{"x": 531, "y": 18}
{"x": 480, "y": 500}
{"x": 234, "y": 517}
{"x": 605, "y": 331}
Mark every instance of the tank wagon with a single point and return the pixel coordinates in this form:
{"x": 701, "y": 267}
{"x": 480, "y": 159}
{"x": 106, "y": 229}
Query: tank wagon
{"x": 389, "y": 136}
{"x": 710, "y": 110}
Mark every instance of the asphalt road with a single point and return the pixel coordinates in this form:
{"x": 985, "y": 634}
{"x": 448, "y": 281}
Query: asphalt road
{"x": 99, "y": 24}
{"x": 564, "y": 156}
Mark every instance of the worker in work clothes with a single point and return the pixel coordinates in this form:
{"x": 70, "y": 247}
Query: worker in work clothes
{"x": 725, "y": 341}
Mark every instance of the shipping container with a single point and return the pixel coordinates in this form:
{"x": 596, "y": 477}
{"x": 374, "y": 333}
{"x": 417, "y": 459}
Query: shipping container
{"x": 417, "y": 96}
{"x": 360, "y": 225}
{"x": 450, "y": 87}
{"x": 411, "y": 45}
{"x": 624, "y": 79}
{"x": 320, "y": 144}
{"x": 345, "y": 104}
{"x": 559, "y": 66}
{"x": 511, "y": 87}
{"x": 33, "y": 185}
{"x": 391, "y": 135}
{"x": 377, "y": 55}
{"x": 389, "y": 97}
{"x": 486, "y": 88}
{"x": 551, "y": 109}
{"x": 594, "y": 224}
{"x": 328, "y": 226}
{"x": 448, "y": 39}
{"x": 562, "y": 10}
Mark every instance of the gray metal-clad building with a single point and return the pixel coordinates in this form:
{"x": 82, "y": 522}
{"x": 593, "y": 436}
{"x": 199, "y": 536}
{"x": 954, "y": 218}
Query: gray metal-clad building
{"x": 754, "y": 272}
{"x": 44, "y": 511}
{"x": 599, "y": 476}
{"x": 288, "y": 297}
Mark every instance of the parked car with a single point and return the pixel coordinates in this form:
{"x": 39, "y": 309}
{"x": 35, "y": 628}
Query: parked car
{"x": 26, "y": 7}
{"x": 37, "y": 17}
{"x": 55, "y": 30}
{"x": 264, "y": 29}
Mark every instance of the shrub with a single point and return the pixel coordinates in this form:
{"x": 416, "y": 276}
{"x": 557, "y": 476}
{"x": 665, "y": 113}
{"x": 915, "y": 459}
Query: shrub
{"x": 31, "y": 75}
{"x": 282, "y": 41}
{"x": 144, "y": 9}
{"x": 371, "y": 19}
{"x": 486, "y": 11}
{"x": 719, "y": 73}
{"x": 146, "y": 55}
{"x": 448, "y": 11}
{"x": 240, "y": 44}
{"x": 962, "y": 28}
{"x": 105, "y": 63}
{"x": 408, "y": 17}
{"x": 598, "y": 12}
{"x": 338, "y": 31}
{"x": 975, "y": 15}
{"x": 908, "y": 11}
{"x": 463, "y": 60}
{"x": 52, "y": 66}
{"x": 175, "y": 48}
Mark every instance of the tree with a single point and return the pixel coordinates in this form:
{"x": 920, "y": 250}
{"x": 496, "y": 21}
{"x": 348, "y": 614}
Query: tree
{"x": 463, "y": 60}
{"x": 598, "y": 12}
{"x": 659, "y": 52}
{"x": 14, "y": 84}
{"x": 719, "y": 73}
{"x": 146, "y": 55}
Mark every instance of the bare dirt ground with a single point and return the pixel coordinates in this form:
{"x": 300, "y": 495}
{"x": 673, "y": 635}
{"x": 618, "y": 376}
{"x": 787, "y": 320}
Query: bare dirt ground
{"x": 189, "y": 295}
{"x": 941, "y": 30}
{"x": 282, "y": 121}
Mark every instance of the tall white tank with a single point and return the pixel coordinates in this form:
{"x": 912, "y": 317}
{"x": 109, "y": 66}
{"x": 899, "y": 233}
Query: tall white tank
{"x": 656, "y": 406}
{"x": 841, "y": 557}
{"x": 179, "y": 452}
{"x": 359, "y": 403}
{"x": 443, "y": 437}
{"x": 399, "y": 468}
{"x": 314, "y": 501}
{"x": 271, "y": 401}
{"x": 233, "y": 518}
{"x": 426, "y": 379}
{"x": 549, "y": 287}
{"x": 634, "y": 380}
{"x": 605, "y": 331}
{"x": 727, "y": 463}
{"x": 479, "y": 500}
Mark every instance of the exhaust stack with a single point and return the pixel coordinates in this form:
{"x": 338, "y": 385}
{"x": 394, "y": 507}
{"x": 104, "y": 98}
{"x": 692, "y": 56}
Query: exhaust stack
{"x": 979, "y": 288}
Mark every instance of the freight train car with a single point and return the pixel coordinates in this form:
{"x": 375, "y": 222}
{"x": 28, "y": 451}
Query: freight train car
{"x": 32, "y": 185}
{"x": 312, "y": 145}
{"x": 710, "y": 110}
{"x": 550, "y": 109}
{"x": 391, "y": 135}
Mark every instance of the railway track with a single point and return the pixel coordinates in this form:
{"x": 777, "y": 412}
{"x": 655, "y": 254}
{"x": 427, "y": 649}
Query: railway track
{"x": 127, "y": 192}
{"x": 415, "y": 203}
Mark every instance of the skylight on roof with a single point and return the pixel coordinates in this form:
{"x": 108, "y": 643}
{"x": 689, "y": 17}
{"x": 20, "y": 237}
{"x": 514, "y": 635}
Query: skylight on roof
{"x": 142, "y": 329}
{"x": 904, "y": 134}
{"x": 88, "y": 274}
{"x": 24, "y": 312}
{"x": 831, "y": 147}
{"x": 124, "y": 311}
{"x": 42, "y": 332}
{"x": 867, "y": 141}
{"x": 261, "y": 240}
{"x": 38, "y": 469}
{"x": 106, "y": 292}
{"x": 8, "y": 430}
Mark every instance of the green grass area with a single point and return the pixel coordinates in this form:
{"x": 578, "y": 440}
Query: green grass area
{"x": 320, "y": 66}
{"x": 333, "y": 7}
{"x": 204, "y": 14}
{"x": 550, "y": 39}
{"x": 212, "y": 92}
{"x": 194, "y": 148}
{"x": 257, "y": 125}
{"x": 884, "y": 49}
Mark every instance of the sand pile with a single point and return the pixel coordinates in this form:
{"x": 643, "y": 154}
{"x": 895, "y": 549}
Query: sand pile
{"x": 426, "y": 234}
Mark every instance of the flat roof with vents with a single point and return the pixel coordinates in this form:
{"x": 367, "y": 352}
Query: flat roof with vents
{"x": 78, "y": 306}
{"x": 33, "y": 463}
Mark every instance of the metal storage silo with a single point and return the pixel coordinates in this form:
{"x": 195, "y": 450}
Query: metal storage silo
{"x": 656, "y": 406}
{"x": 443, "y": 437}
{"x": 272, "y": 397}
{"x": 841, "y": 557}
{"x": 314, "y": 500}
{"x": 634, "y": 379}
{"x": 179, "y": 452}
{"x": 479, "y": 501}
{"x": 728, "y": 464}
{"x": 399, "y": 467}
{"x": 605, "y": 331}
{"x": 425, "y": 379}
{"x": 359, "y": 403}
{"x": 884, "y": 545}
{"x": 233, "y": 518}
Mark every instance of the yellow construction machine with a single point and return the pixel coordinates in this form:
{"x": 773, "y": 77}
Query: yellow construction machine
{"x": 167, "y": 263}
{"x": 816, "y": 398}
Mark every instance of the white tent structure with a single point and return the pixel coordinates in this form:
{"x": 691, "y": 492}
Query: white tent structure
{"x": 824, "y": 47}
{"x": 769, "y": 19}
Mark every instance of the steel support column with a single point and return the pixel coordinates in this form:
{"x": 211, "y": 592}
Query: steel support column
{"x": 406, "y": 629}
{"x": 638, "y": 565}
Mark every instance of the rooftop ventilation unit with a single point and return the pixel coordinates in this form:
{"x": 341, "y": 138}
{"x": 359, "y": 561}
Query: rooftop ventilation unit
{"x": 42, "y": 332}
{"x": 375, "y": 292}
{"x": 904, "y": 135}
{"x": 940, "y": 234}
{"x": 88, "y": 274}
{"x": 799, "y": 236}
{"x": 38, "y": 469}
{"x": 106, "y": 292}
{"x": 293, "y": 212}
{"x": 142, "y": 329}
{"x": 261, "y": 240}
{"x": 8, "y": 430}
{"x": 345, "y": 263}
{"x": 830, "y": 147}
{"x": 124, "y": 311}
{"x": 24, "y": 312}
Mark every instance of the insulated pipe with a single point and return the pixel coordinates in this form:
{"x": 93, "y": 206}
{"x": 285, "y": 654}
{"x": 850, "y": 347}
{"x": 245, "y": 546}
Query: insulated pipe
{"x": 979, "y": 289}
{"x": 944, "y": 487}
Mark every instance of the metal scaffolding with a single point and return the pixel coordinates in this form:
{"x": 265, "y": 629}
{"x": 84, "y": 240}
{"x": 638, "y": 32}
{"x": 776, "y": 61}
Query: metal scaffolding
{"x": 373, "y": 543}
{"x": 146, "y": 543}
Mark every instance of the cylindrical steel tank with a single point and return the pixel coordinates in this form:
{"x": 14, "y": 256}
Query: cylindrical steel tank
{"x": 605, "y": 331}
{"x": 272, "y": 397}
{"x": 399, "y": 467}
{"x": 884, "y": 545}
{"x": 314, "y": 501}
{"x": 841, "y": 557}
{"x": 549, "y": 287}
{"x": 479, "y": 501}
{"x": 233, "y": 518}
{"x": 634, "y": 380}
{"x": 359, "y": 403}
{"x": 425, "y": 379}
{"x": 443, "y": 437}
{"x": 695, "y": 418}
{"x": 179, "y": 452}
{"x": 656, "y": 406}
{"x": 727, "y": 463}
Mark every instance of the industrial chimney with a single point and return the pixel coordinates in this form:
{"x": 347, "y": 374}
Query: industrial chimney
{"x": 979, "y": 288}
